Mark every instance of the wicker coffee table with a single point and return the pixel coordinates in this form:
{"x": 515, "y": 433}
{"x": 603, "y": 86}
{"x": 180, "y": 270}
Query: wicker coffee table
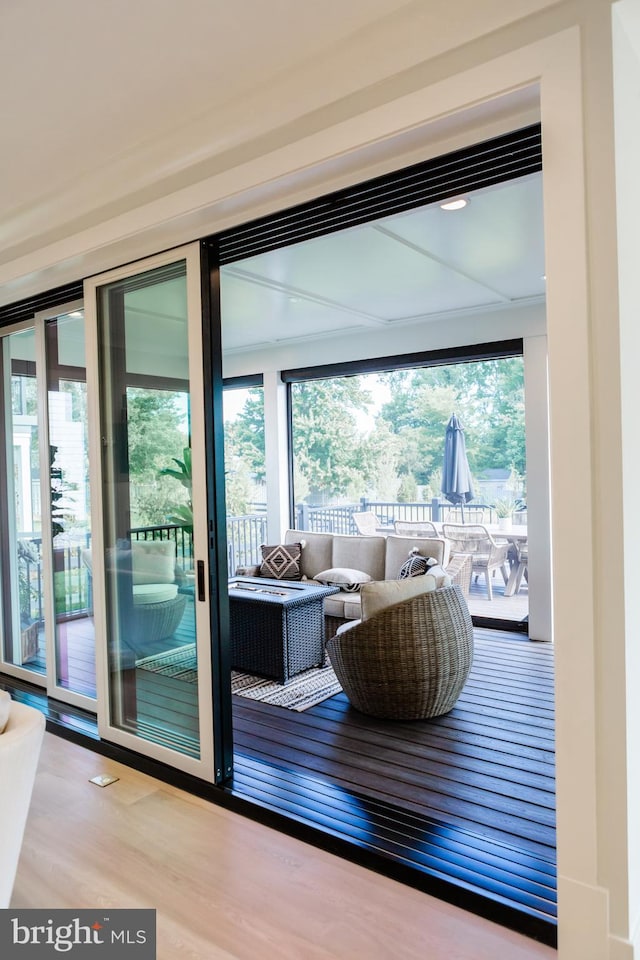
{"x": 277, "y": 627}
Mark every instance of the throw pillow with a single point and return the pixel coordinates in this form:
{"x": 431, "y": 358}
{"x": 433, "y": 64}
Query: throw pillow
{"x": 281, "y": 561}
{"x": 344, "y": 577}
{"x": 153, "y": 561}
{"x": 5, "y": 706}
{"x": 415, "y": 565}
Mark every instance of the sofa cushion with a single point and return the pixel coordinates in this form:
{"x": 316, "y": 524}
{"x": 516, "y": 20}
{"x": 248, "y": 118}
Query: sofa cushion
{"x": 153, "y": 561}
{"x": 5, "y": 706}
{"x": 398, "y": 548}
{"x": 316, "y": 553}
{"x": 344, "y": 577}
{"x": 281, "y": 561}
{"x": 360, "y": 553}
{"x": 376, "y": 597}
{"x": 144, "y": 593}
{"x": 352, "y": 606}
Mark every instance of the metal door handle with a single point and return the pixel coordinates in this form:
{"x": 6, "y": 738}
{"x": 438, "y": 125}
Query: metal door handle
{"x": 200, "y": 575}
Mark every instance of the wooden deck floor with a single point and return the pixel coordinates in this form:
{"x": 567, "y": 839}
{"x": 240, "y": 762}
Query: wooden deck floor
{"x": 469, "y": 796}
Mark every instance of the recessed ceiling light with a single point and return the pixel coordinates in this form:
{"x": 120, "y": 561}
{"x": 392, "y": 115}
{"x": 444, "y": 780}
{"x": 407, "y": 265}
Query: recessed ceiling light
{"x": 456, "y": 203}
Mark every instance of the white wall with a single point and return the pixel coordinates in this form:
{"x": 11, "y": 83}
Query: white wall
{"x": 626, "y": 48}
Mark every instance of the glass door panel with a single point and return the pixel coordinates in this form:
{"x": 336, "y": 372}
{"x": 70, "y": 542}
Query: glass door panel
{"x": 23, "y": 645}
{"x": 152, "y": 537}
{"x": 65, "y": 469}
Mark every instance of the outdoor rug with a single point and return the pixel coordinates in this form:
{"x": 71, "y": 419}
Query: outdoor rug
{"x": 301, "y": 692}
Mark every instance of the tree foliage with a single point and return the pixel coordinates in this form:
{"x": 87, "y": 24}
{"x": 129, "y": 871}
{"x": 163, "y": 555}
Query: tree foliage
{"x": 329, "y": 449}
{"x": 244, "y": 437}
{"x": 346, "y": 444}
{"x": 156, "y": 437}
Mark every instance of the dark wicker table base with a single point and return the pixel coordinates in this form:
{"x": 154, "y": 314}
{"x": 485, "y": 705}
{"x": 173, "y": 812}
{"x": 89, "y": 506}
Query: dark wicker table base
{"x": 276, "y": 634}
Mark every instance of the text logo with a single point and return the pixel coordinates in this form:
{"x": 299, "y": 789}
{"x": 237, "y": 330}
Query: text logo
{"x": 34, "y": 934}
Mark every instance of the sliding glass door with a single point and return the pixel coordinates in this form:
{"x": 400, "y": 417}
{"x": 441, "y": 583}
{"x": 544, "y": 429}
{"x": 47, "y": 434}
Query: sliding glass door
{"x": 148, "y": 557}
{"x": 44, "y": 528}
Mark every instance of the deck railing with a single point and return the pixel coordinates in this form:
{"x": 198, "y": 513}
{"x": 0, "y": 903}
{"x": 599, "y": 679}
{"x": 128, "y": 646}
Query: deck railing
{"x": 245, "y": 534}
{"x": 337, "y": 519}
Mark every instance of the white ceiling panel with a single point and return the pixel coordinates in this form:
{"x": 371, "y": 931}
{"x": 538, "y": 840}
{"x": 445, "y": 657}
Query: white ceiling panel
{"x": 254, "y": 314}
{"x": 497, "y": 238}
{"x": 365, "y": 270}
{"x": 400, "y": 269}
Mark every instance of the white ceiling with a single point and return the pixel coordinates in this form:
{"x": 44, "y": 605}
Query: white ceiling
{"x": 396, "y": 271}
{"x": 132, "y": 126}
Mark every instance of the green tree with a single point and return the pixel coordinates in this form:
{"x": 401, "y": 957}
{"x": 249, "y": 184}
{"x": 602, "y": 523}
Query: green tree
{"x": 329, "y": 447}
{"x": 244, "y": 435}
{"x": 488, "y": 397}
{"x": 156, "y": 436}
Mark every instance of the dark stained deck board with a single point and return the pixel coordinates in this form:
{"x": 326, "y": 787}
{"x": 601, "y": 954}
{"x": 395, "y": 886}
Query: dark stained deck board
{"x": 484, "y": 774}
{"x": 412, "y": 838}
{"x": 432, "y": 747}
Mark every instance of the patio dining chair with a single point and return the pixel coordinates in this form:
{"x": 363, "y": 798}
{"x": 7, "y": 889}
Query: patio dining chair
{"x": 467, "y": 515}
{"x": 415, "y": 528}
{"x": 366, "y": 523}
{"x": 488, "y": 554}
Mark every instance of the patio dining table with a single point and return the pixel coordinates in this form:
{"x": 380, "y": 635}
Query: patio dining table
{"x": 516, "y": 535}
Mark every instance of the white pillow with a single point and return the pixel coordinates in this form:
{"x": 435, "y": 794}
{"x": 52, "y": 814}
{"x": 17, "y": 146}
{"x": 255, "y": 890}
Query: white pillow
{"x": 343, "y": 577}
{"x": 153, "y": 561}
{"x": 5, "y": 707}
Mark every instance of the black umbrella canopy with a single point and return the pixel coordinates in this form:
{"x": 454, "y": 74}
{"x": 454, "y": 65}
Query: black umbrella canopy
{"x": 456, "y": 476}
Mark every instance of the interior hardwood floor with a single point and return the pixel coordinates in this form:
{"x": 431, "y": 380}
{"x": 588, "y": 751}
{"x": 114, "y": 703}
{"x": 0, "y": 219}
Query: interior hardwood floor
{"x": 225, "y": 887}
{"x": 469, "y": 796}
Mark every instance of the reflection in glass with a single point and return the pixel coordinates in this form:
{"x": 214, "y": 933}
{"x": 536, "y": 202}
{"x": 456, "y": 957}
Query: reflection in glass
{"x": 21, "y": 528}
{"x": 148, "y": 525}
{"x": 70, "y": 503}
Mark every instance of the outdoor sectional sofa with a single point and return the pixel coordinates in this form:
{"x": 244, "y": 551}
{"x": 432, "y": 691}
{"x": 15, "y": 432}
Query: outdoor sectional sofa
{"x": 381, "y": 558}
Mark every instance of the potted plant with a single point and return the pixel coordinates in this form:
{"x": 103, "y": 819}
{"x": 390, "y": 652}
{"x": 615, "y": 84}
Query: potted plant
{"x": 504, "y": 513}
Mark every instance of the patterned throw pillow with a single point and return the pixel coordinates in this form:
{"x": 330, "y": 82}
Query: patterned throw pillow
{"x": 282, "y": 561}
{"x": 415, "y": 565}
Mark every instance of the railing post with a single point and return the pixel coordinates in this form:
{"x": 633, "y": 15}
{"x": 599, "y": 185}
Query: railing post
{"x": 435, "y": 509}
{"x": 303, "y": 516}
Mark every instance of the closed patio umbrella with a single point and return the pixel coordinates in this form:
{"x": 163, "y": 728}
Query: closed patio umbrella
{"x": 456, "y": 476}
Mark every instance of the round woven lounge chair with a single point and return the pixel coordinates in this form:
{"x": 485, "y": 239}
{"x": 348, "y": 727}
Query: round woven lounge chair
{"x": 153, "y": 622}
{"x": 411, "y": 660}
